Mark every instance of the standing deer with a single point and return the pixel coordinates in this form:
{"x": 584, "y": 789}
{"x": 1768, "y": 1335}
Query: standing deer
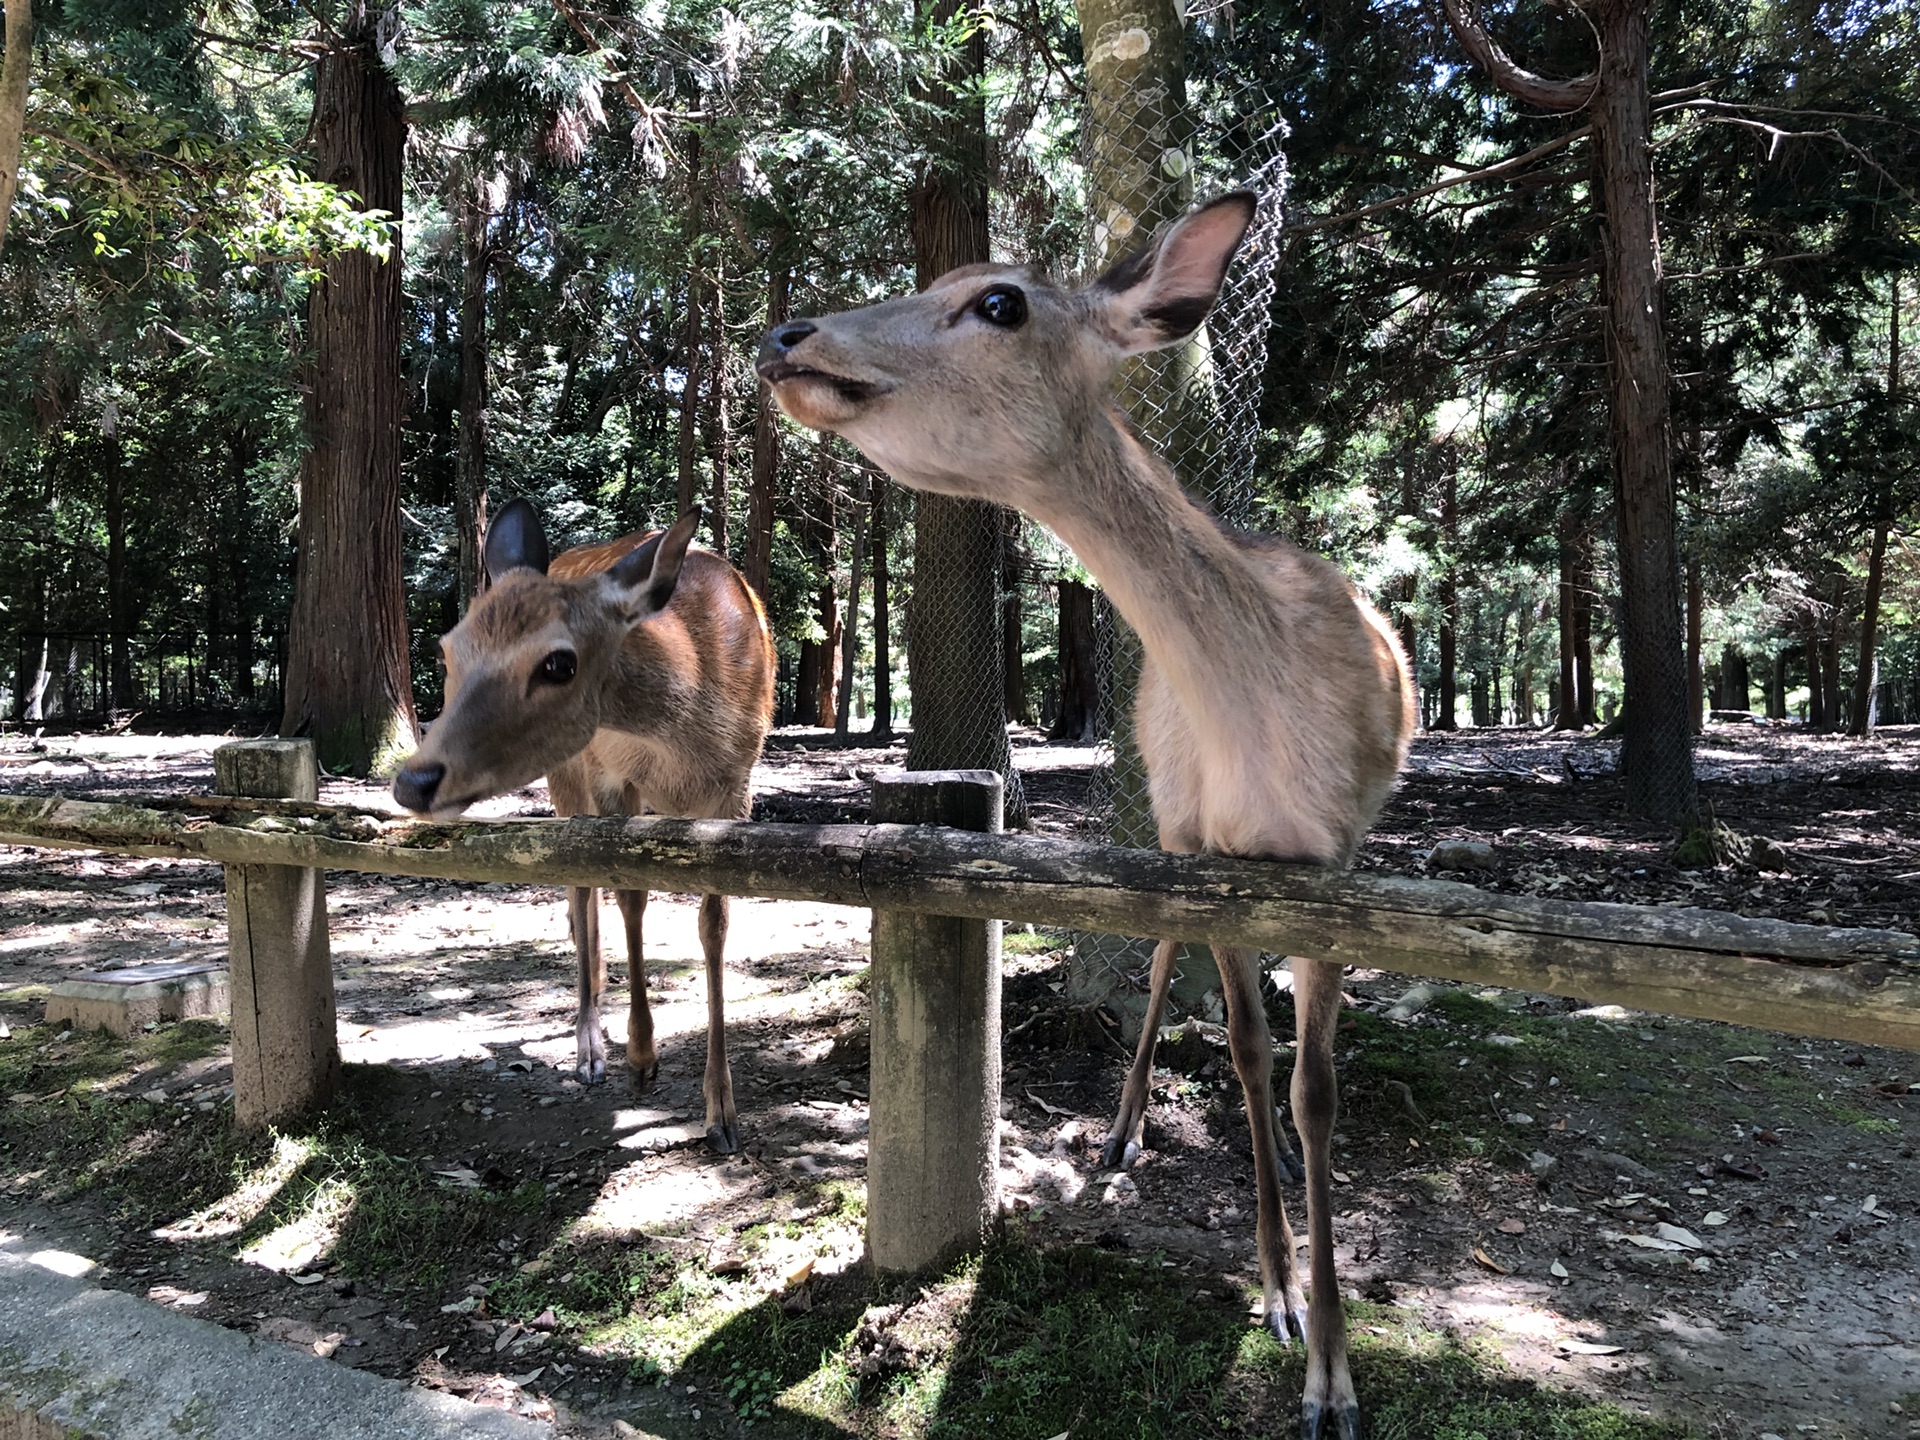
{"x": 635, "y": 675}
{"x": 1274, "y": 706}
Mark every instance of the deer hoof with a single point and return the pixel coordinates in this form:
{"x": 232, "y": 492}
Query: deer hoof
{"x": 1286, "y": 1322}
{"x": 724, "y": 1138}
{"x": 592, "y": 1069}
{"x": 644, "y": 1076}
{"x": 1120, "y": 1153}
{"x": 1329, "y": 1422}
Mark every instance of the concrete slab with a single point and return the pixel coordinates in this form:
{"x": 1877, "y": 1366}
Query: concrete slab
{"x": 124, "y": 1001}
{"x": 81, "y": 1363}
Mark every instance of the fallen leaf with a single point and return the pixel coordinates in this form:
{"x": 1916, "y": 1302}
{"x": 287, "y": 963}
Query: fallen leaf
{"x": 1871, "y": 1206}
{"x": 1653, "y": 1242}
{"x": 1049, "y": 1109}
{"x": 800, "y": 1273}
{"x": 1768, "y": 1137}
{"x": 1340, "y": 1177}
{"x": 526, "y": 1379}
{"x": 1747, "y": 1060}
{"x": 1715, "y": 1217}
{"x": 1679, "y": 1235}
{"x": 1488, "y": 1261}
{"x": 1513, "y": 1227}
{"x": 1557, "y": 1270}
{"x": 1588, "y": 1347}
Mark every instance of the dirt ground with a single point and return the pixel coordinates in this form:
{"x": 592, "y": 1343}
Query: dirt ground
{"x": 1716, "y": 1226}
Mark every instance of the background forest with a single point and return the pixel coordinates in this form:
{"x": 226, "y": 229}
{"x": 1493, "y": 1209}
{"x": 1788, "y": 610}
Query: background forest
{"x": 566, "y": 228}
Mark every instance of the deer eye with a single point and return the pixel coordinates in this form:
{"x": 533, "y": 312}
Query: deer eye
{"x": 1004, "y": 305}
{"x": 559, "y": 667}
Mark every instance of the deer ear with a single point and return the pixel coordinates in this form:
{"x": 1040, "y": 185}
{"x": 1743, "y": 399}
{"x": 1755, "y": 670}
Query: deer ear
{"x": 649, "y": 572}
{"x": 514, "y": 539}
{"x": 1159, "y": 295}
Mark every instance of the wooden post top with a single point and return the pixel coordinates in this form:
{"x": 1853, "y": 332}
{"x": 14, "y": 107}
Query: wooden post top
{"x": 267, "y": 769}
{"x": 963, "y": 799}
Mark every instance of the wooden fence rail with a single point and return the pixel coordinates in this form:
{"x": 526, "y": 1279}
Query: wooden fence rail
{"x": 1857, "y": 985}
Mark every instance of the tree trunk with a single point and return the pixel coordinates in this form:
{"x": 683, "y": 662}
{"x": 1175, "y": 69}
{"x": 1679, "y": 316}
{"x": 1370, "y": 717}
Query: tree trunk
{"x": 1567, "y": 693}
{"x": 1446, "y": 718}
{"x": 880, "y": 487}
{"x": 119, "y": 594}
{"x": 1019, "y": 706}
{"x": 850, "y": 627}
{"x": 719, "y": 414}
{"x": 1696, "y": 678}
{"x": 239, "y": 572}
{"x": 1816, "y": 677}
{"x": 954, "y": 624}
{"x": 470, "y": 460}
{"x": 14, "y": 73}
{"x": 1589, "y": 710}
{"x": 347, "y": 682}
{"x": 1830, "y": 662}
{"x": 764, "y": 483}
{"x": 1866, "y": 680}
{"x": 1777, "y": 696}
{"x": 690, "y": 380}
{"x": 1079, "y": 666}
{"x": 1656, "y": 753}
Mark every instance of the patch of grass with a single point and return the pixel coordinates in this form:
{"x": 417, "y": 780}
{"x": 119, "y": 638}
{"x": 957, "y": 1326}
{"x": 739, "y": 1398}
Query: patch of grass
{"x": 1037, "y": 941}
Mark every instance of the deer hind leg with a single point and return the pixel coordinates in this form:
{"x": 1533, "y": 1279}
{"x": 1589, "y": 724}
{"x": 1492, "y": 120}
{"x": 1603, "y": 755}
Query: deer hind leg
{"x": 589, "y": 1043}
{"x": 642, "y": 1059}
{"x": 1252, "y": 1049}
{"x": 1327, "y": 1406}
{"x": 723, "y": 1127}
{"x": 1123, "y": 1141}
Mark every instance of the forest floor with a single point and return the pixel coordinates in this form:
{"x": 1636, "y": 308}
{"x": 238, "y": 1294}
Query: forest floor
{"x": 469, "y": 1216}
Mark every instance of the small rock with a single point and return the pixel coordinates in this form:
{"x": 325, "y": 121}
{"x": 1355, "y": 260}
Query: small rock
{"x": 1417, "y": 998}
{"x": 1519, "y": 1117}
{"x": 1542, "y": 1164}
{"x": 1463, "y": 855}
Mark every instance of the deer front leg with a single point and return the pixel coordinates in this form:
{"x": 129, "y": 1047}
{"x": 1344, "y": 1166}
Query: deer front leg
{"x": 589, "y": 1044}
{"x": 1129, "y": 1126}
{"x": 1252, "y": 1049}
{"x": 723, "y": 1129}
{"x": 1327, "y": 1405}
{"x": 643, "y": 1061}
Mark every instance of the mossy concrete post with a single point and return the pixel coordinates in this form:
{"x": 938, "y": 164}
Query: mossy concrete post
{"x": 286, "y": 1057}
{"x": 933, "y": 1157}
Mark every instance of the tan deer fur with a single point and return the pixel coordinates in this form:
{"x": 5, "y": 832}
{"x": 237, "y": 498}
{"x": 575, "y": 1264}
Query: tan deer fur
{"x": 666, "y": 710}
{"x": 1274, "y": 706}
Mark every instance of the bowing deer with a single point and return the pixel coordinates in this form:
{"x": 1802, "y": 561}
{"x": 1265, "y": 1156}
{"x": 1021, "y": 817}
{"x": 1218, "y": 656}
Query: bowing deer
{"x": 1274, "y": 706}
{"x": 635, "y": 675}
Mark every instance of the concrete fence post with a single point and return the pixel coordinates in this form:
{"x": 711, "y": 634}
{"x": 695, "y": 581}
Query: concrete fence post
{"x": 286, "y": 1057}
{"x": 933, "y": 1156}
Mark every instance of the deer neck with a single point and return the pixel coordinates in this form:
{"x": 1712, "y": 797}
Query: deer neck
{"x": 1204, "y": 615}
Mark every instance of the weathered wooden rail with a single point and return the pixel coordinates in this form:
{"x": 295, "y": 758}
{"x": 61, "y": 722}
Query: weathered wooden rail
{"x": 938, "y": 894}
{"x": 1858, "y": 985}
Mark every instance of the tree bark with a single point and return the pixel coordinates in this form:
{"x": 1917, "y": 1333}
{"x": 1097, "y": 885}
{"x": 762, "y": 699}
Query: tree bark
{"x": 348, "y": 682}
{"x": 15, "y": 72}
{"x": 1079, "y": 666}
{"x": 1696, "y": 678}
{"x": 1866, "y": 680}
{"x": 1657, "y": 746}
{"x": 850, "y": 627}
{"x": 764, "y": 482}
{"x": 1446, "y": 718}
{"x": 1018, "y": 705}
{"x": 882, "y": 731}
{"x": 954, "y": 627}
{"x": 719, "y": 411}
{"x": 119, "y": 593}
{"x": 470, "y": 460}
{"x": 1567, "y": 695}
{"x": 690, "y": 380}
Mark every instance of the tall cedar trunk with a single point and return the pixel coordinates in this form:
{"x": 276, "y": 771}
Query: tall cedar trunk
{"x": 763, "y": 483}
{"x": 1816, "y": 678}
{"x": 119, "y": 593}
{"x": 1583, "y": 629}
{"x": 1696, "y": 677}
{"x": 1136, "y": 114}
{"x": 1830, "y": 662}
{"x": 1409, "y": 593}
{"x": 850, "y": 627}
{"x": 238, "y": 571}
{"x": 14, "y": 73}
{"x": 1736, "y": 680}
{"x": 347, "y": 680}
{"x": 470, "y": 460}
{"x": 1079, "y": 666}
{"x": 690, "y": 383}
{"x": 826, "y": 690}
{"x": 1777, "y": 694}
{"x": 880, "y": 487}
{"x": 1866, "y": 680}
{"x": 719, "y": 414}
{"x": 953, "y": 629}
{"x": 1657, "y": 748}
{"x": 1019, "y": 706}
{"x": 1445, "y": 717}
{"x": 1567, "y": 693}
{"x": 1656, "y": 751}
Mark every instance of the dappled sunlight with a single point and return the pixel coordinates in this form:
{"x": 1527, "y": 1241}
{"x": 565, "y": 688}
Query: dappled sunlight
{"x": 232, "y": 1213}
{"x": 310, "y": 1236}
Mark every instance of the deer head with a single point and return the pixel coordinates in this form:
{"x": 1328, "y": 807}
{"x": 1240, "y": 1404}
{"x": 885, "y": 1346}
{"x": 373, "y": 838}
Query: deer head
{"x": 989, "y": 382}
{"x": 529, "y": 668}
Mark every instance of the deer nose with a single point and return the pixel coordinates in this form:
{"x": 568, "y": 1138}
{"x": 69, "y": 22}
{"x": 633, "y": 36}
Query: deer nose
{"x": 414, "y": 786}
{"x": 785, "y": 337}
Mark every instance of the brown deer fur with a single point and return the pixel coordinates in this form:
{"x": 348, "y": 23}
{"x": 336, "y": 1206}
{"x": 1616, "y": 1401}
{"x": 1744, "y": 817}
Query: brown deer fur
{"x": 665, "y": 706}
{"x": 1274, "y": 708}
